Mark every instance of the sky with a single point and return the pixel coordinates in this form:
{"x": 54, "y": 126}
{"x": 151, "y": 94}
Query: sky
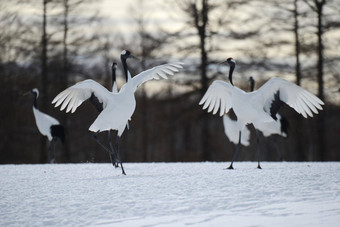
{"x": 121, "y": 13}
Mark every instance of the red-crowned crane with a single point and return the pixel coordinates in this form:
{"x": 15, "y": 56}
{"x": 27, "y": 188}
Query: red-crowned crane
{"x": 47, "y": 126}
{"x": 260, "y": 106}
{"x": 117, "y": 107}
{"x": 277, "y": 127}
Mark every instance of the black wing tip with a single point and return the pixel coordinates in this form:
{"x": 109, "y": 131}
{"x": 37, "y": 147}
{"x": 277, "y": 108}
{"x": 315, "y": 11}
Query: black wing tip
{"x": 95, "y": 101}
{"x": 276, "y": 104}
{"x": 284, "y": 125}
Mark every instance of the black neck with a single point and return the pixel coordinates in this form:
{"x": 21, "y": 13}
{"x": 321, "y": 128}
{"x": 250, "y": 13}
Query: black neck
{"x": 35, "y": 101}
{"x": 123, "y": 59}
{"x": 252, "y": 84}
{"x": 231, "y": 70}
{"x": 113, "y": 75}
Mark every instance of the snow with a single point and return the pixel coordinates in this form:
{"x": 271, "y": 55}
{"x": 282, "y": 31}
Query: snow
{"x": 171, "y": 194}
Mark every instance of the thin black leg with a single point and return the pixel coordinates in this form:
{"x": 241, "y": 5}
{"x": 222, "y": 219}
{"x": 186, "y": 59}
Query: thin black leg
{"x": 236, "y": 152}
{"x": 258, "y": 149}
{"x": 118, "y": 155}
{"x": 103, "y": 146}
{"x": 51, "y": 154}
{"x": 113, "y": 156}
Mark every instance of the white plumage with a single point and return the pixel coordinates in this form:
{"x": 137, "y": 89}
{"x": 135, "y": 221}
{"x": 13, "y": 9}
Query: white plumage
{"x": 259, "y": 106}
{"x": 47, "y": 125}
{"x": 279, "y": 126}
{"x": 254, "y": 107}
{"x": 44, "y": 123}
{"x": 273, "y": 128}
{"x": 117, "y": 107}
{"x": 230, "y": 130}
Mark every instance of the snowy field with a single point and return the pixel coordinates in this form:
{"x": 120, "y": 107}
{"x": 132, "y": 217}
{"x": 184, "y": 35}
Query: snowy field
{"x": 171, "y": 194}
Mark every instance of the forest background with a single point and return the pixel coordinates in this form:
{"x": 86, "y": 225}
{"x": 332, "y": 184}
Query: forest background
{"x": 52, "y": 44}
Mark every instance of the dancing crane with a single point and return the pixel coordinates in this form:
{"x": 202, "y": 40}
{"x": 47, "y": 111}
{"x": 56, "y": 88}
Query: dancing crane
{"x": 117, "y": 108}
{"x": 279, "y": 126}
{"x": 260, "y": 106}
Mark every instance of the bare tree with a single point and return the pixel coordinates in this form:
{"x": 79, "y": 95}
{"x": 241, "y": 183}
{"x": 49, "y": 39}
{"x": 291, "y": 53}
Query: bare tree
{"x": 318, "y": 7}
{"x": 44, "y": 81}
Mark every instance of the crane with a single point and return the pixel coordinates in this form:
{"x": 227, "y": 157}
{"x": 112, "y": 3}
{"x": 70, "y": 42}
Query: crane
{"x": 47, "y": 126}
{"x": 117, "y": 107}
{"x": 260, "y": 106}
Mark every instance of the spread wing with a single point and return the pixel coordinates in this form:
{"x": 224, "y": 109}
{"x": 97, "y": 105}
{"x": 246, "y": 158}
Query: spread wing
{"x": 218, "y": 96}
{"x": 276, "y": 91}
{"x": 74, "y": 96}
{"x": 161, "y": 71}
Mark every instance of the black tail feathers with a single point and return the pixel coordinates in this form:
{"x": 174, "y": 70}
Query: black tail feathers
{"x": 58, "y": 132}
{"x": 284, "y": 125}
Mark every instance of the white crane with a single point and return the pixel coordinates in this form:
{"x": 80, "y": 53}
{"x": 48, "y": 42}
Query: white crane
{"x": 113, "y": 154}
{"x": 93, "y": 99}
{"x": 47, "y": 126}
{"x": 117, "y": 108}
{"x": 260, "y": 106}
{"x": 231, "y": 126}
{"x": 279, "y": 126}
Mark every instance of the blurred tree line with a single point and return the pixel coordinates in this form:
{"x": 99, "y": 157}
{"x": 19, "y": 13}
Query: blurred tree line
{"x": 61, "y": 42}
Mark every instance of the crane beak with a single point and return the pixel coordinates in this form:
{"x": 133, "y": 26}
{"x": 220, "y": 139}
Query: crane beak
{"x": 26, "y": 93}
{"x": 133, "y": 57}
{"x": 222, "y": 62}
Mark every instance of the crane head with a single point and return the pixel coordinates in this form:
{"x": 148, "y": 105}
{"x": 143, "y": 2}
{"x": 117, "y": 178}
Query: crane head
{"x": 35, "y": 91}
{"x": 127, "y": 54}
{"x": 231, "y": 61}
{"x": 114, "y": 66}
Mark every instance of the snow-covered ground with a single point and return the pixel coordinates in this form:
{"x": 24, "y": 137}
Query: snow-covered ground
{"x": 171, "y": 194}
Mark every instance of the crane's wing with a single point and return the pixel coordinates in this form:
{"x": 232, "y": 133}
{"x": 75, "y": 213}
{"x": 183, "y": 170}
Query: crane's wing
{"x": 74, "y": 96}
{"x": 218, "y": 96}
{"x": 156, "y": 72}
{"x": 276, "y": 91}
{"x": 231, "y": 130}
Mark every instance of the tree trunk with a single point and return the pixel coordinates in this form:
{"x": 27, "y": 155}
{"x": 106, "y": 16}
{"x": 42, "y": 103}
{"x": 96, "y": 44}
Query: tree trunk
{"x": 64, "y": 80}
{"x": 299, "y": 146}
{"x": 320, "y": 49}
{"x": 44, "y": 81}
{"x": 321, "y": 118}
{"x": 201, "y": 20}
{"x": 297, "y": 44}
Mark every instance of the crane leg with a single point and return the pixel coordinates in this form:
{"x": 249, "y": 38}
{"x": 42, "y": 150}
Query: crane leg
{"x": 113, "y": 156}
{"x": 258, "y": 149}
{"x": 236, "y": 152}
{"x": 118, "y": 154}
{"x": 104, "y": 147}
{"x": 51, "y": 154}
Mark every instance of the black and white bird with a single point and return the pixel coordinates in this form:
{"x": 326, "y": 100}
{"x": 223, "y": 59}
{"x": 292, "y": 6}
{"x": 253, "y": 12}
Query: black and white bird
{"x": 276, "y": 127}
{"x": 93, "y": 99}
{"x": 231, "y": 127}
{"x": 260, "y": 106}
{"x": 47, "y": 126}
{"x": 117, "y": 108}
